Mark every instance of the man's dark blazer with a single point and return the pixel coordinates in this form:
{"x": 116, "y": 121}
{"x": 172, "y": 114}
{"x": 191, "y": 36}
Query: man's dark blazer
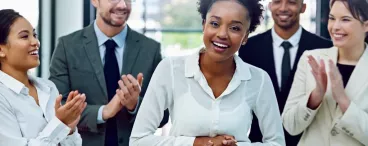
{"x": 258, "y": 51}
{"x": 76, "y": 65}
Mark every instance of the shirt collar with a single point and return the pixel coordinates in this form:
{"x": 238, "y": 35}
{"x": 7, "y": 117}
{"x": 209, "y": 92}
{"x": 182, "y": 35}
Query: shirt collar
{"x": 119, "y": 38}
{"x": 294, "y": 39}
{"x": 242, "y": 71}
{"x": 19, "y": 87}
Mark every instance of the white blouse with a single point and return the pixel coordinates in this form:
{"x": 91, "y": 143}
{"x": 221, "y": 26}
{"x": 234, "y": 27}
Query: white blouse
{"x": 178, "y": 85}
{"x": 24, "y": 123}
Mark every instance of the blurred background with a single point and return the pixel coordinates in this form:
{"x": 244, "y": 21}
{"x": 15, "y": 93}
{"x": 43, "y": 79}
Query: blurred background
{"x": 174, "y": 23}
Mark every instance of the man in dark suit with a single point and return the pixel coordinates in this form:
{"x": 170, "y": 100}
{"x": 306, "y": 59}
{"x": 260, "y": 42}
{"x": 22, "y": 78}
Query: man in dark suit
{"x": 277, "y": 51}
{"x": 98, "y": 60}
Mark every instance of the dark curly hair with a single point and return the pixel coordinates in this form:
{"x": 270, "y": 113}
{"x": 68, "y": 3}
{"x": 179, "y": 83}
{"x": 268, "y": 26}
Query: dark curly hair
{"x": 254, "y": 8}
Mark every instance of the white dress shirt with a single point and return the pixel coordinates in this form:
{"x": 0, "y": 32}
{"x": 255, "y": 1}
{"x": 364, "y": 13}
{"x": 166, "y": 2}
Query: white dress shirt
{"x": 23, "y": 122}
{"x": 119, "y": 53}
{"x": 278, "y": 50}
{"x": 179, "y": 85}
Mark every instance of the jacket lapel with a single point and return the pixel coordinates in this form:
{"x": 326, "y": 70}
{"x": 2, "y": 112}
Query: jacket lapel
{"x": 269, "y": 65}
{"x": 358, "y": 79}
{"x": 93, "y": 54}
{"x": 131, "y": 51}
{"x": 301, "y": 48}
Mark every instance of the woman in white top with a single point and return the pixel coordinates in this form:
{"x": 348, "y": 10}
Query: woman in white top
{"x": 211, "y": 94}
{"x": 328, "y": 101}
{"x": 30, "y": 107}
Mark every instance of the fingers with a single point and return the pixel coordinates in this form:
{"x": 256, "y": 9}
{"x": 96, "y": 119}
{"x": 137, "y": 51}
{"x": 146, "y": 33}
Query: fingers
{"x": 69, "y": 104}
{"x": 58, "y": 102}
{"x": 313, "y": 63}
{"x": 136, "y": 83}
{"x": 71, "y": 95}
{"x": 81, "y": 109}
{"x": 75, "y": 108}
{"x": 227, "y": 137}
{"x": 125, "y": 91}
{"x": 140, "y": 79}
{"x": 121, "y": 96}
{"x": 322, "y": 67}
{"x": 229, "y": 140}
{"x": 334, "y": 71}
{"x": 209, "y": 143}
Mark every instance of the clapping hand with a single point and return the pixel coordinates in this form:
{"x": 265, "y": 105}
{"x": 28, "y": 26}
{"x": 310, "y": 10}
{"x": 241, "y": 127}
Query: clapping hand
{"x": 129, "y": 91}
{"x": 70, "y": 112}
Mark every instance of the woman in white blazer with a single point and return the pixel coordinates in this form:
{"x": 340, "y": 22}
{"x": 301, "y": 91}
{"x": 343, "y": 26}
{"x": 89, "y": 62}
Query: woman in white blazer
{"x": 328, "y": 101}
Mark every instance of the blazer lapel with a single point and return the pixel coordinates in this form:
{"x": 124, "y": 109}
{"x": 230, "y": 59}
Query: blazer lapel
{"x": 131, "y": 51}
{"x": 301, "y": 48}
{"x": 358, "y": 79}
{"x": 326, "y": 55}
{"x": 269, "y": 64}
{"x": 93, "y": 54}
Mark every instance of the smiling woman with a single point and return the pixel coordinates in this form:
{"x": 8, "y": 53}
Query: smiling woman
{"x": 29, "y": 9}
{"x": 212, "y": 93}
{"x": 328, "y": 100}
{"x": 39, "y": 118}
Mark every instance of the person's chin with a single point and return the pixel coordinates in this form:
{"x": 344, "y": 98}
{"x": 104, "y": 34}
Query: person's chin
{"x": 217, "y": 57}
{"x": 118, "y": 23}
{"x": 339, "y": 44}
{"x": 32, "y": 65}
{"x": 284, "y": 24}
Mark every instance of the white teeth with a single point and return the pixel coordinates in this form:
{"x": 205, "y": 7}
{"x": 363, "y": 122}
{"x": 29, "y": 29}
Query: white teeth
{"x": 338, "y": 35}
{"x": 119, "y": 13}
{"x": 284, "y": 16}
{"x": 34, "y": 52}
{"x": 220, "y": 45}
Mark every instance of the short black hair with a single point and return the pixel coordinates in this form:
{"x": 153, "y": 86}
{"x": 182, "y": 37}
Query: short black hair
{"x": 7, "y": 18}
{"x": 358, "y": 8}
{"x": 254, "y": 8}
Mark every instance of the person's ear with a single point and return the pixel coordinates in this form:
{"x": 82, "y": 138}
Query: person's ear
{"x": 304, "y": 7}
{"x": 245, "y": 39}
{"x": 95, "y": 3}
{"x": 269, "y": 5}
{"x": 366, "y": 26}
{"x": 2, "y": 53}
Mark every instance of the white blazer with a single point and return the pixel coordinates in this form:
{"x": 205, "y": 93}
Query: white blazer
{"x": 327, "y": 125}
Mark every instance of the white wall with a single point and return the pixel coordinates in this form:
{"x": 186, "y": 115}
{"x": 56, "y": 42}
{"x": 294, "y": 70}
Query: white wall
{"x": 68, "y": 18}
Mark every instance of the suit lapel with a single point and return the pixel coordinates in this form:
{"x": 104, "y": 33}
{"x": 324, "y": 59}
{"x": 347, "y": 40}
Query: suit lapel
{"x": 131, "y": 51}
{"x": 269, "y": 65}
{"x": 358, "y": 79}
{"x": 93, "y": 54}
{"x": 326, "y": 55}
{"x": 301, "y": 48}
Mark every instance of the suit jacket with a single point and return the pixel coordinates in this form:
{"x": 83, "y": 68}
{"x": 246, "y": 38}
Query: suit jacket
{"x": 76, "y": 65}
{"x": 327, "y": 125}
{"x": 258, "y": 51}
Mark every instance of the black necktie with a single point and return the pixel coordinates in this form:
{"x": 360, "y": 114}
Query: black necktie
{"x": 286, "y": 65}
{"x": 112, "y": 76}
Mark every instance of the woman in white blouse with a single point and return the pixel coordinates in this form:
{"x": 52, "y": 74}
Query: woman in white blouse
{"x": 30, "y": 108}
{"x": 211, "y": 94}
